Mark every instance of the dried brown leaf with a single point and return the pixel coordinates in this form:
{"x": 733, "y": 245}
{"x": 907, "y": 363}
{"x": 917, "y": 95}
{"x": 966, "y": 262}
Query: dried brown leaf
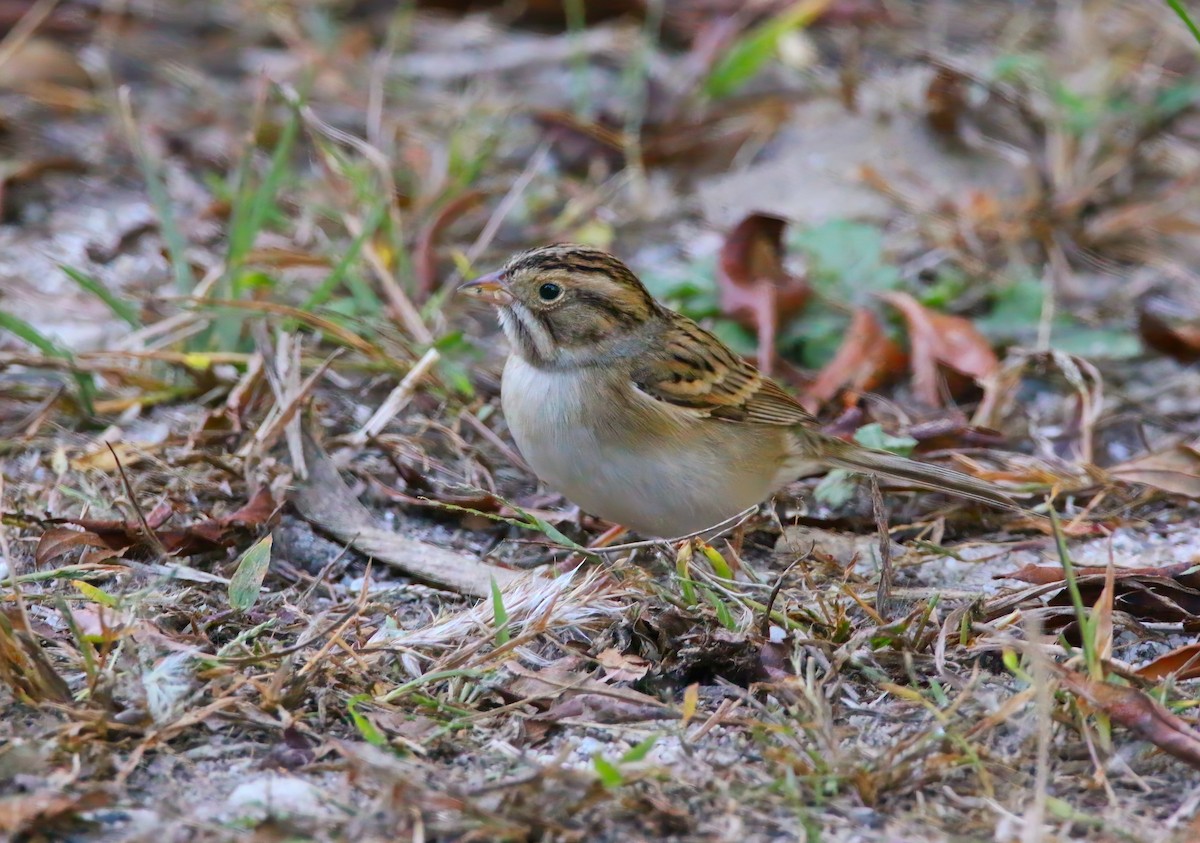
{"x": 1136, "y": 711}
{"x": 1175, "y": 470}
{"x": 754, "y": 287}
{"x": 945, "y": 101}
{"x": 1046, "y": 574}
{"x": 1182, "y": 663}
{"x": 939, "y": 339}
{"x": 1166, "y": 328}
{"x": 58, "y": 541}
{"x": 38, "y": 812}
{"x": 622, "y": 667}
{"x": 205, "y": 536}
{"x": 425, "y": 253}
{"x": 866, "y": 360}
{"x": 40, "y": 61}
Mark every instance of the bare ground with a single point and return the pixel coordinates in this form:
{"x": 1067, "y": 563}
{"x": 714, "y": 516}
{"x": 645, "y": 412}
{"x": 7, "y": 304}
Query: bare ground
{"x": 149, "y": 694}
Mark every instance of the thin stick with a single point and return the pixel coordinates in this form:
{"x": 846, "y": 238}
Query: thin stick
{"x": 397, "y": 400}
{"x": 883, "y": 596}
{"x": 151, "y": 536}
{"x": 24, "y": 28}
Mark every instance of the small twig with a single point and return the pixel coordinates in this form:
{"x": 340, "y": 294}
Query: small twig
{"x": 335, "y": 636}
{"x": 884, "y": 595}
{"x": 765, "y": 628}
{"x": 150, "y": 534}
{"x": 491, "y": 436}
{"x": 24, "y": 28}
{"x": 519, "y": 186}
{"x": 248, "y": 661}
{"x": 396, "y": 401}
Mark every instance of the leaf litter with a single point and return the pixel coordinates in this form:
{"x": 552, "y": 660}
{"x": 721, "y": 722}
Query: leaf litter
{"x": 398, "y": 622}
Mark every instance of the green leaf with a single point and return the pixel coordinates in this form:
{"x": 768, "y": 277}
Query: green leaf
{"x": 500, "y": 615}
{"x": 607, "y": 772}
{"x": 836, "y": 488}
{"x": 815, "y": 338}
{"x": 122, "y": 309}
{"x": 94, "y": 594}
{"x": 1108, "y": 343}
{"x": 640, "y": 751}
{"x": 1016, "y": 310}
{"x": 847, "y": 261}
{"x": 873, "y": 436}
{"x": 248, "y": 578}
{"x": 750, "y": 52}
{"x": 362, "y": 723}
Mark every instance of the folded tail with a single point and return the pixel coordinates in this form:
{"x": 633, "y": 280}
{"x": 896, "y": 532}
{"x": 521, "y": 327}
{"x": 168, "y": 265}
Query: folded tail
{"x": 893, "y": 467}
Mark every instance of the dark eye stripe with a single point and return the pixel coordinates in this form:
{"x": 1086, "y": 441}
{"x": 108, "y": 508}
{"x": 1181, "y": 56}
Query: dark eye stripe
{"x": 606, "y": 305}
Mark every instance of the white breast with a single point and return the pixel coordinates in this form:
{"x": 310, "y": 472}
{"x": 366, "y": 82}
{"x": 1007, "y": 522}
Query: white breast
{"x": 622, "y": 456}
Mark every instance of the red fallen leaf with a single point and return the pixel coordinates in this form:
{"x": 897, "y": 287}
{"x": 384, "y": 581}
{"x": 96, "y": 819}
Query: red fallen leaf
{"x": 1182, "y": 662}
{"x": 205, "y": 536}
{"x": 57, "y": 541}
{"x": 1166, "y": 327}
{"x": 941, "y": 339}
{"x": 945, "y": 101}
{"x": 1169, "y": 594}
{"x": 1137, "y": 712}
{"x": 866, "y": 360}
{"x": 425, "y": 257}
{"x": 754, "y": 287}
{"x": 1047, "y": 574}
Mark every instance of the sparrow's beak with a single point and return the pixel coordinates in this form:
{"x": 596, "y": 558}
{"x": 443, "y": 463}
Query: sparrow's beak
{"x": 491, "y": 288}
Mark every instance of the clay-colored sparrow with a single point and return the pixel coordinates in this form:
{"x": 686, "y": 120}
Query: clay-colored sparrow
{"x": 642, "y": 417}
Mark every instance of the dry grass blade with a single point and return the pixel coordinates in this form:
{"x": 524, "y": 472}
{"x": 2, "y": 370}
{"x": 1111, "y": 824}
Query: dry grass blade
{"x": 567, "y": 604}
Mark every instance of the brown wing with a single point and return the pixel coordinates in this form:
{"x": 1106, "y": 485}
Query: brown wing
{"x": 696, "y": 371}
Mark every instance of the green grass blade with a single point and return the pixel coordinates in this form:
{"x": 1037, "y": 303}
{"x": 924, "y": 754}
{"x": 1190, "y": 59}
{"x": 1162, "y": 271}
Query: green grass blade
{"x": 370, "y": 733}
{"x": 1186, "y": 18}
{"x": 254, "y": 204}
{"x": 500, "y": 615}
{"x": 750, "y": 52}
{"x": 329, "y": 285}
{"x": 19, "y": 327}
{"x": 122, "y": 309}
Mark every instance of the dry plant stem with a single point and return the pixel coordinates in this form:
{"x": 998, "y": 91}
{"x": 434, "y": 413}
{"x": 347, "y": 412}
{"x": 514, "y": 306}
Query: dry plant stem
{"x": 397, "y": 400}
{"x": 282, "y": 414}
{"x": 499, "y": 444}
{"x": 151, "y": 536}
{"x": 168, "y": 327}
{"x": 1034, "y": 820}
{"x": 336, "y": 632}
{"x": 327, "y": 502}
{"x": 403, "y": 308}
{"x": 24, "y": 28}
{"x": 519, "y": 186}
{"x": 883, "y": 595}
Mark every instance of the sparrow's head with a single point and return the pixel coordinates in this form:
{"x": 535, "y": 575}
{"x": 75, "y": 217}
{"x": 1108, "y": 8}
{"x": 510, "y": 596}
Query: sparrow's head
{"x": 568, "y": 305}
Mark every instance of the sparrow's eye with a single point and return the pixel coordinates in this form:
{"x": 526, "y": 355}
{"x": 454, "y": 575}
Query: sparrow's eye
{"x": 549, "y": 292}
